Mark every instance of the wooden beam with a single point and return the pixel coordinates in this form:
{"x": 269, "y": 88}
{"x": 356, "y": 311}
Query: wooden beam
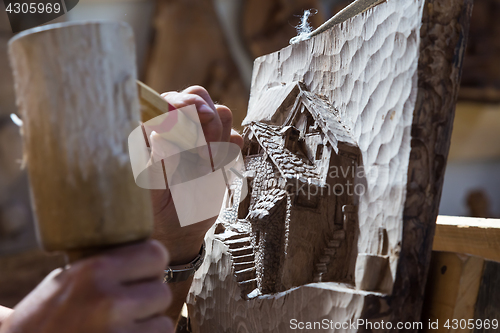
{"x": 468, "y": 235}
{"x": 185, "y": 132}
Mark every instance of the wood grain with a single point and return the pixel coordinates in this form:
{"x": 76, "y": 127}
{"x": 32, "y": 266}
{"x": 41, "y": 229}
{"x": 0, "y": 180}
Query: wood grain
{"x": 444, "y": 34}
{"x": 468, "y": 235}
{"x": 77, "y": 95}
{"x": 452, "y": 289}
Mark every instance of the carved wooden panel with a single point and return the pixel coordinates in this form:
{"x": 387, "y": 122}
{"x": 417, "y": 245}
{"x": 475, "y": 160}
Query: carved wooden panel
{"x": 359, "y": 116}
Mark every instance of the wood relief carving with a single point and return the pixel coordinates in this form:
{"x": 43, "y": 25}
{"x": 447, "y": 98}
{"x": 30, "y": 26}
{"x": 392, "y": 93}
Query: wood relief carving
{"x": 331, "y": 158}
{"x": 300, "y": 168}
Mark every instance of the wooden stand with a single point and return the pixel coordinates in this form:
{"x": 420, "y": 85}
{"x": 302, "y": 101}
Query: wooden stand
{"x": 462, "y": 281}
{"x": 77, "y": 96}
{"x": 377, "y": 91}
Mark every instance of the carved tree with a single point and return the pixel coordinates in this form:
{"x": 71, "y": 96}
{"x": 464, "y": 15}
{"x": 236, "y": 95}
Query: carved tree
{"x": 367, "y": 104}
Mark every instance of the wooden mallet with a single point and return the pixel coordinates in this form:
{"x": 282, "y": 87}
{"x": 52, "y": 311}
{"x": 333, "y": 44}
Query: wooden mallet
{"x": 78, "y": 99}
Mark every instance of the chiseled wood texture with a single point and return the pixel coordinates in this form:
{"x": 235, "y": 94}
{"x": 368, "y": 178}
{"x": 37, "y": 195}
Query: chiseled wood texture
{"x": 452, "y": 289}
{"x": 468, "y": 235}
{"x": 366, "y": 68}
{"x": 77, "y": 95}
{"x": 374, "y": 101}
{"x": 444, "y": 35}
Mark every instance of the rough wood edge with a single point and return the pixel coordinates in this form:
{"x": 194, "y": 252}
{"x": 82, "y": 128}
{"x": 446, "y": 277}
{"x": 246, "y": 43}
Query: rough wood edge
{"x": 443, "y": 23}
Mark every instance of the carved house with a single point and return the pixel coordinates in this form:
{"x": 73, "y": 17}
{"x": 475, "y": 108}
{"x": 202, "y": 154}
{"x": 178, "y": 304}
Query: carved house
{"x": 299, "y": 214}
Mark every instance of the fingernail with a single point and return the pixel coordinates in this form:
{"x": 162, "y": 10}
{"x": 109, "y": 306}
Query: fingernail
{"x": 205, "y": 109}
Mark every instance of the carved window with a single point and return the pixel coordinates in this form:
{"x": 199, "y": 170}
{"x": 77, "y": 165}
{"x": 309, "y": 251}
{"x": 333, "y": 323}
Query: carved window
{"x": 306, "y": 123}
{"x": 301, "y": 124}
{"x": 319, "y": 151}
{"x": 253, "y": 148}
{"x": 292, "y": 139}
{"x": 311, "y": 123}
{"x": 244, "y": 207}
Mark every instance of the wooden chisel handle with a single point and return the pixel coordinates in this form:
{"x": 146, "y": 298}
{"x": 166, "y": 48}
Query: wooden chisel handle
{"x": 184, "y": 134}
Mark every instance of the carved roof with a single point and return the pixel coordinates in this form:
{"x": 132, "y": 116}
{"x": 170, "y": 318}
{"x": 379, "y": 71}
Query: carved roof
{"x": 326, "y": 116}
{"x": 280, "y": 106}
{"x": 271, "y": 138}
{"x": 266, "y": 201}
{"x": 271, "y": 131}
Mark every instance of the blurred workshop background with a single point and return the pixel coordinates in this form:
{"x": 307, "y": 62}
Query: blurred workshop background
{"x": 213, "y": 43}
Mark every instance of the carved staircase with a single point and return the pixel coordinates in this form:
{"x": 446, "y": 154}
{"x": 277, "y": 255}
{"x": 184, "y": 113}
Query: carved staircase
{"x": 243, "y": 261}
{"x": 329, "y": 252}
{"x": 337, "y": 240}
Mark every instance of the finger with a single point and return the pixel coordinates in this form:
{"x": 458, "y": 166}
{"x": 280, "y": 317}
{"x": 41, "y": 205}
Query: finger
{"x": 202, "y": 92}
{"x": 130, "y": 263}
{"x": 180, "y": 100}
{"x": 209, "y": 118}
{"x": 141, "y": 301}
{"x": 212, "y": 129}
{"x": 226, "y": 118}
{"x": 155, "y": 325}
{"x": 236, "y": 138}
